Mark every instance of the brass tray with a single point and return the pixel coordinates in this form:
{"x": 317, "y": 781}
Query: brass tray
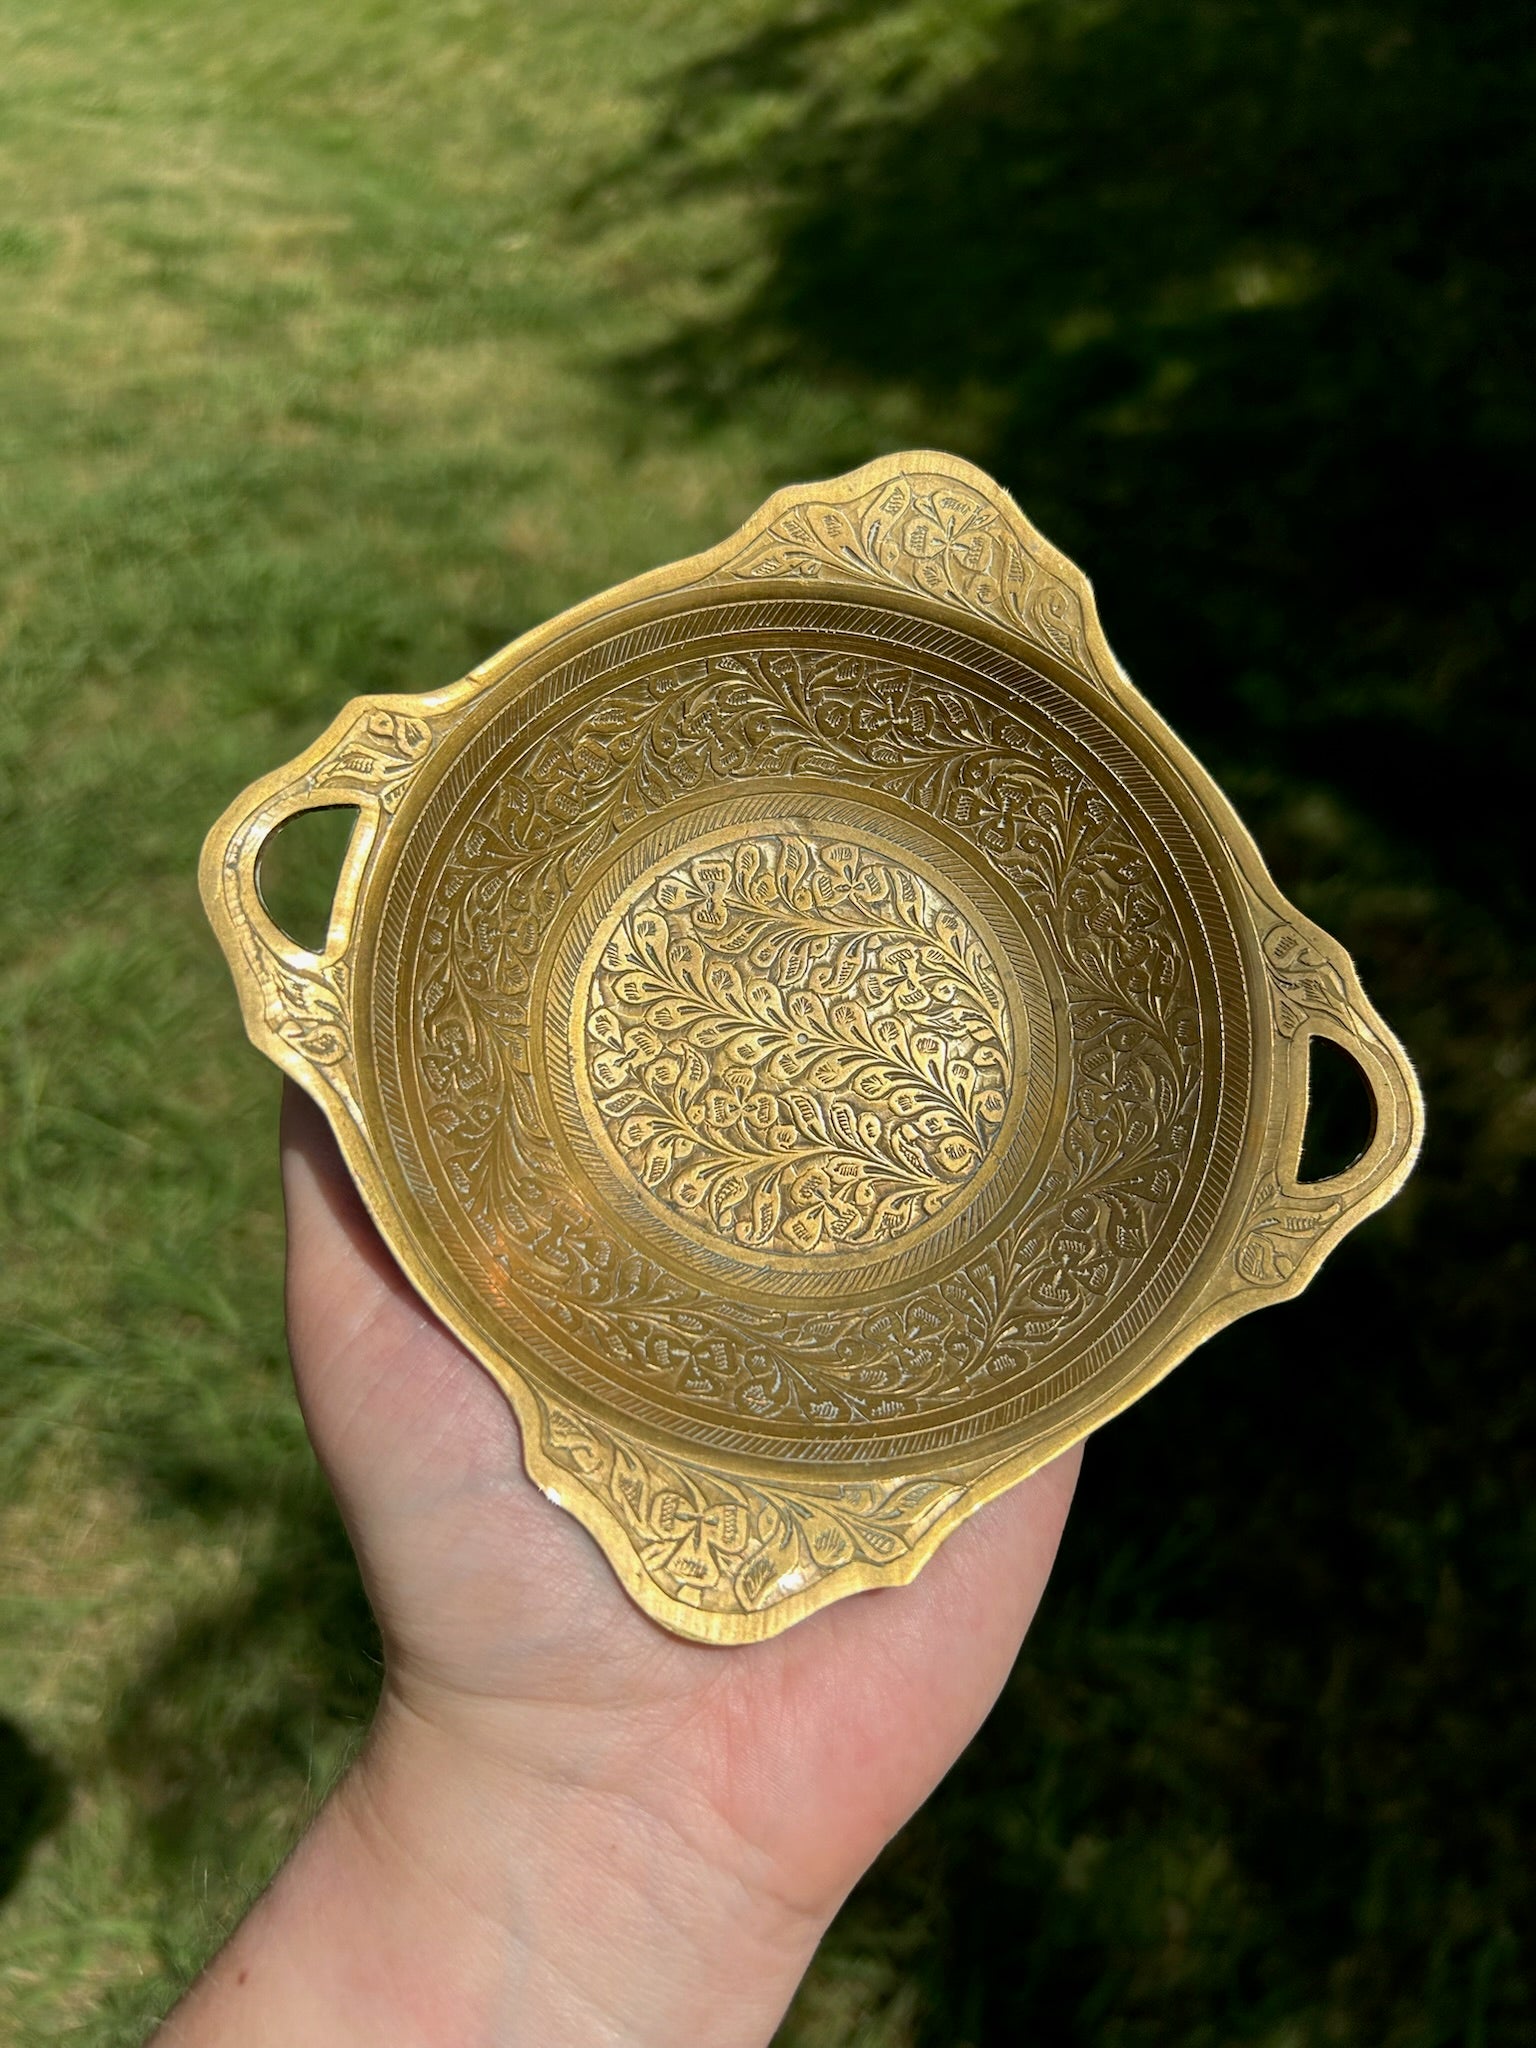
{"x": 813, "y": 1032}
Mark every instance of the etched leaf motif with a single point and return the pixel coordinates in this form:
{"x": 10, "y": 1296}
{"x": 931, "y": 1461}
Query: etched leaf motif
{"x": 930, "y": 534}
{"x": 725, "y": 1545}
{"x": 698, "y": 1070}
{"x": 717, "y": 1014}
{"x": 1281, "y": 1232}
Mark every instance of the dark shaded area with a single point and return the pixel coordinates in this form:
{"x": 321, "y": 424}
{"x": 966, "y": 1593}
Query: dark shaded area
{"x": 1235, "y": 298}
{"x": 1341, "y": 1115}
{"x": 237, "y": 1722}
{"x": 33, "y": 1799}
{"x": 242, "y": 1695}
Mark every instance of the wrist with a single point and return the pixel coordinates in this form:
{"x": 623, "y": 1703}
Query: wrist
{"x": 607, "y": 1906}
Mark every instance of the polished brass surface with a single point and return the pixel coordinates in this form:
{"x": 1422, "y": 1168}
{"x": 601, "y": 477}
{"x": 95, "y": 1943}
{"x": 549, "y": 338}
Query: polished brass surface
{"x": 814, "y": 1033}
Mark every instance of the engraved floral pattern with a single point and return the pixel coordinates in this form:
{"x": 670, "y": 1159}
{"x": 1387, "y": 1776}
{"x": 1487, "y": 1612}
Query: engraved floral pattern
{"x": 1038, "y": 817}
{"x": 378, "y": 755}
{"x": 1282, "y": 1231}
{"x": 798, "y": 1044}
{"x": 934, "y": 536}
{"x": 1303, "y": 982}
{"x": 721, "y": 1543}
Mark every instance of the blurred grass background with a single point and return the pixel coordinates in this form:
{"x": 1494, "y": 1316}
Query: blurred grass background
{"x": 339, "y": 344}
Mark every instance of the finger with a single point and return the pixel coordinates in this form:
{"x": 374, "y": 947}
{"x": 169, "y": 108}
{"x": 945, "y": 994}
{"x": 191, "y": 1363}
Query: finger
{"x": 331, "y": 1236}
{"x": 370, "y": 1359}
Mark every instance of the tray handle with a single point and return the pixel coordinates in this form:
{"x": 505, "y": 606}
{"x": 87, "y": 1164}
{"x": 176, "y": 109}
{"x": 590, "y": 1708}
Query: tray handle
{"x": 1292, "y": 1224}
{"x": 296, "y": 1003}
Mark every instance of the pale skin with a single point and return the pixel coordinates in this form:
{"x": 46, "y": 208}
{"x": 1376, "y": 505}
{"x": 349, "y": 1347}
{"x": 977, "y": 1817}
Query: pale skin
{"x": 568, "y": 1826}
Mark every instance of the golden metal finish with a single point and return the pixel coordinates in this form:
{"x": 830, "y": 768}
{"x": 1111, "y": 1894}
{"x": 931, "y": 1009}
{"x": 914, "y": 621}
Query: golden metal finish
{"x": 814, "y": 1033}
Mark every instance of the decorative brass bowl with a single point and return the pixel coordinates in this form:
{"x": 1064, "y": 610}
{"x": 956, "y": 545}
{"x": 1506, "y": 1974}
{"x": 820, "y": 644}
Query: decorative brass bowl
{"x": 813, "y": 1032}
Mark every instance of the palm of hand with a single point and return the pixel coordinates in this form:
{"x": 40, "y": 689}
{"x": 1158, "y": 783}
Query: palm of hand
{"x": 503, "y": 1624}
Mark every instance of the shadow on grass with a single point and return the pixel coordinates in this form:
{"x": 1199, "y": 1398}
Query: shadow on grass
{"x": 33, "y": 1800}
{"x": 1232, "y": 296}
{"x": 233, "y": 1728}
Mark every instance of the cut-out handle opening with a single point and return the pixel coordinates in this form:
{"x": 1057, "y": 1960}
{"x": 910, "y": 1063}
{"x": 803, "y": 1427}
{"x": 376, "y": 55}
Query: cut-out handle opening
{"x": 1342, "y": 1113}
{"x": 299, "y": 867}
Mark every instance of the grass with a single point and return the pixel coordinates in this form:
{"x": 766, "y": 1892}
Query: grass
{"x": 337, "y": 346}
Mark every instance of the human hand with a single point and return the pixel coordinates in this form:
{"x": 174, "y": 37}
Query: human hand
{"x": 568, "y": 1825}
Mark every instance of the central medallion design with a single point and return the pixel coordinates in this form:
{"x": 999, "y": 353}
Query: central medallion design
{"x": 798, "y": 1044}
